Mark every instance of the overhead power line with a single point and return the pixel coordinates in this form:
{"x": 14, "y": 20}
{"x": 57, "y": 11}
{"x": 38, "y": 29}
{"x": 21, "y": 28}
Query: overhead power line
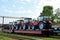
{"x": 11, "y": 17}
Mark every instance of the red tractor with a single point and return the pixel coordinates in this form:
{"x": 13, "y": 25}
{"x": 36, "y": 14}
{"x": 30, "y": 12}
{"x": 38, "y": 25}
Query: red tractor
{"x": 45, "y": 25}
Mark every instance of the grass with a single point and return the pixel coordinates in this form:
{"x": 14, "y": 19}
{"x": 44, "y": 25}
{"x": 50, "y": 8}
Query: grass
{"x": 50, "y": 39}
{"x": 5, "y": 38}
{"x": 32, "y": 37}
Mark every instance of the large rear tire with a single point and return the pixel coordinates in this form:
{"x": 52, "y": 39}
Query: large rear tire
{"x": 41, "y": 25}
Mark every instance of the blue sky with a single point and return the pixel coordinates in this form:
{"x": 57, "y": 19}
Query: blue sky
{"x": 25, "y": 8}
{"x": 17, "y": 8}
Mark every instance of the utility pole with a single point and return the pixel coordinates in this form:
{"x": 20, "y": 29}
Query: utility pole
{"x": 2, "y": 22}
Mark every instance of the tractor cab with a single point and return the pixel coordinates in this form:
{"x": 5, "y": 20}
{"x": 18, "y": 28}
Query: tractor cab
{"x": 26, "y": 20}
{"x": 20, "y": 21}
{"x": 42, "y": 18}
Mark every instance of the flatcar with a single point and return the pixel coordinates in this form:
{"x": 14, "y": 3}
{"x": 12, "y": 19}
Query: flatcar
{"x": 28, "y": 26}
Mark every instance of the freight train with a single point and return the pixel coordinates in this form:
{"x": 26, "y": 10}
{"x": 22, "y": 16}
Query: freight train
{"x": 29, "y": 26}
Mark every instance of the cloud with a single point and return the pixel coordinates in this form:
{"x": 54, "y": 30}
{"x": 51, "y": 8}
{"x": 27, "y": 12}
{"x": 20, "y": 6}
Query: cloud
{"x": 37, "y": 7}
{"x": 6, "y": 10}
{"x": 29, "y": 11}
{"x": 23, "y": 11}
{"x": 54, "y": 3}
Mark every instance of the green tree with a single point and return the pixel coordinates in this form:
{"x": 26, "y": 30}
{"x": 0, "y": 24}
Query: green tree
{"x": 47, "y": 11}
{"x": 57, "y": 15}
{"x": 57, "y": 11}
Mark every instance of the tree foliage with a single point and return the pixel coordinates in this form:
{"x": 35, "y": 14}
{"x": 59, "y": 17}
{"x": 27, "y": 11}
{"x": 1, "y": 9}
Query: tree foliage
{"x": 47, "y": 11}
{"x": 57, "y": 15}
